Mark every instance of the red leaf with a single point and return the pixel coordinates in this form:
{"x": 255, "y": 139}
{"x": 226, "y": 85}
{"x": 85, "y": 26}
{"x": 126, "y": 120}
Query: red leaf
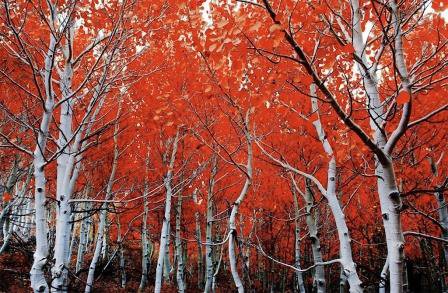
{"x": 403, "y": 97}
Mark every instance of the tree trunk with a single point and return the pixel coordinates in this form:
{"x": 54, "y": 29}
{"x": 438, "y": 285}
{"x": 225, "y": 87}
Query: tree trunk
{"x": 200, "y": 257}
{"x": 390, "y": 208}
{"x": 178, "y": 243}
{"x": 299, "y": 284}
{"x": 311, "y": 221}
{"x": 144, "y": 236}
{"x": 37, "y": 277}
{"x": 164, "y": 234}
{"x": 121, "y": 254}
{"x": 209, "y": 270}
{"x": 103, "y": 213}
{"x": 345, "y": 250}
{"x": 83, "y": 238}
{"x": 235, "y": 208}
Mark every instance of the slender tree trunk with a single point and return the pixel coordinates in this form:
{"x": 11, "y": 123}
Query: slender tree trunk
{"x": 73, "y": 238}
{"x": 209, "y": 270}
{"x": 167, "y": 268}
{"x": 387, "y": 188}
{"x": 164, "y": 234}
{"x": 105, "y": 244}
{"x": 390, "y": 209}
{"x": 145, "y": 246}
{"x": 383, "y": 277}
{"x": 342, "y": 281}
{"x": 28, "y": 219}
{"x": 64, "y": 172}
{"x": 103, "y": 213}
{"x": 443, "y": 219}
{"x": 83, "y": 238}
{"x": 178, "y": 244}
{"x": 8, "y": 228}
{"x": 199, "y": 244}
{"x": 38, "y": 282}
{"x": 96, "y": 253}
{"x": 217, "y": 268}
{"x": 121, "y": 254}
{"x": 37, "y": 277}
{"x": 345, "y": 250}
{"x": 235, "y": 208}
{"x": 311, "y": 221}
{"x": 299, "y": 284}
{"x": 9, "y": 221}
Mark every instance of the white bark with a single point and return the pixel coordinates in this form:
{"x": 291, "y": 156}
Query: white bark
{"x": 8, "y": 227}
{"x": 167, "y": 268}
{"x": 209, "y": 230}
{"x": 96, "y": 253}
{"x": 14, "y": 214}
{"x": 311, "y": 222}
{"x": 199, "y": 244}
{"x": 299, "y": 285}
{"x": 236, "y": 205}
{"x": 178, "y": 244}
{"x": 443, "y": 219}
{"x": 83, "y": 237}
{"x": 345, "y": 250}
{"x": 166, "y": 220}
{"x": 104, "y": 245}
{"x": 218, "y": 266}
{"x": 387, "y": 188}
{"x": 63, "y": 211}
{"x": 37, "y": 277}
{"x": 73, "y": 238}
{"x": 103, "y": 213}
{"x": 383, "y": 277}
{"x": 144, "y": 236}
{"x": 121, "y": 254}
{"x": 28, "y": 219}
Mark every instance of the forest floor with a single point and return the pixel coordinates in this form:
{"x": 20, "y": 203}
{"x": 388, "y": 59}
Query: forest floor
{"x": 16, "y": 261}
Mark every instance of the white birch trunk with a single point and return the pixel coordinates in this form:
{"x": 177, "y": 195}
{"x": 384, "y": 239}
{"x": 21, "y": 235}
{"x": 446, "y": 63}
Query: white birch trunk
{"x": 167, "y": 268}
{"x": 96, "y": 253}
{"x": 13, "y": 214}
{"x": 199, "y": 244}
{"x": 387, "y": 188}
{"x": 443, "y": 219}
{"x": 37, "y": 277}
{"x": 145, "y": 246}
{"x": 166, "y": 220}
{"x": 104, "y": 245}
{"x": 299, "y": 285}
{"x": 103, "y": 213}
{"x": 235, "y": 208}
{"x": 28, "y": 219}
{"x": 390, "y": 209}
{"x": 121, "y": 255}
{"x": 345, "y": 250}
{"x": 218, "y": 266}
{"x": 209, "y": 230}
{"x": 73, "y": 238}
{"x": 311, "y": 222}
{"x": 383, "y": 277}
{"x": 83, "y": 238}
{"x": 178, "y": 244}
{"x": 8, "y": 227}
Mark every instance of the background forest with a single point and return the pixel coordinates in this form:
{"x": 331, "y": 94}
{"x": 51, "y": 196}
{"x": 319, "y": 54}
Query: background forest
{"x": 244, "y": 145}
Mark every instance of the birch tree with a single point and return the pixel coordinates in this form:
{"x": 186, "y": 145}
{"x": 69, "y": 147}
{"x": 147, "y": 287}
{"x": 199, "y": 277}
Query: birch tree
{"x": 164, "y": 234}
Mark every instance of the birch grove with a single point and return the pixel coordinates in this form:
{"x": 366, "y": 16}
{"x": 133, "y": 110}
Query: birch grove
{"x": 245, "y": 145}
